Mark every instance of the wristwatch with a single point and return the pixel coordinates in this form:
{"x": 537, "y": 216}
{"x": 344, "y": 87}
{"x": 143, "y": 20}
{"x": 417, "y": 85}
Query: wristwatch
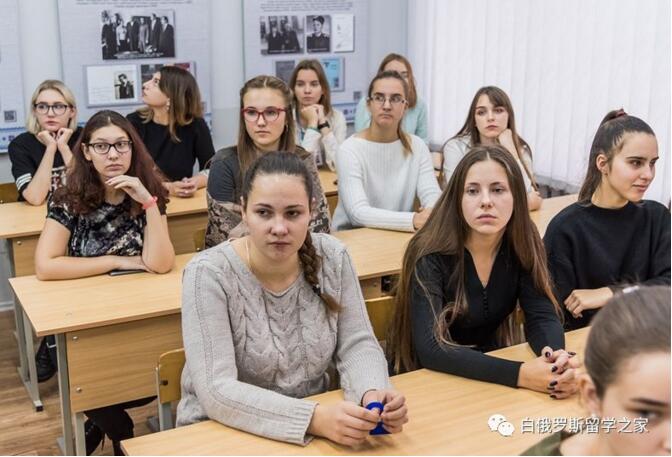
{"x": 323, "y": 125}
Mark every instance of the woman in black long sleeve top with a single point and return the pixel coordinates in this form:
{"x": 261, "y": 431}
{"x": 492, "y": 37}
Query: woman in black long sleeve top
{"x": 611, "y": 237}
{"x": 463, "y": 273}
{"x": 173, "y": 129}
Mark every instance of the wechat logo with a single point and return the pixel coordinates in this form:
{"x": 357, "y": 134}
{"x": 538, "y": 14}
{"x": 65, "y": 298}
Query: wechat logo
{"x": 498, "y": 423}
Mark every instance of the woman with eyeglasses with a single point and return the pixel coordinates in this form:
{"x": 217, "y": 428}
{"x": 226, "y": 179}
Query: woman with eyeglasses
{"x": 266, "y": 124}
{"x": 172, "y": 126}
{"x": 110, "y": 215}
{"x": 39, "y": 155}
{"x": 320, "y": 127}
{"x": 416, "y": 119}
{"x": 382, "y": 169}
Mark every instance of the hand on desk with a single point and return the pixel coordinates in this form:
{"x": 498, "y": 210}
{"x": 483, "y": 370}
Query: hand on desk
{"x": 553, "y": 372}
{"x": 129, "y": 263}
{"x": 395, "y": 412}
{"x": 185, "y": 188}
{"x": 582, "y": 299}
{"x": 343, "y": 423}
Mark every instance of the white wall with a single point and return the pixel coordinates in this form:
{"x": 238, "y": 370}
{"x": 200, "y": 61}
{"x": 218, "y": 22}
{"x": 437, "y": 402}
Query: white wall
{"x": 41, "y": 59}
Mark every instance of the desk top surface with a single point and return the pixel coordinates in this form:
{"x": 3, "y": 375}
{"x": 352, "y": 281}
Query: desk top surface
{"x": 75, "y": 304}
{"x": 448, "y": 415}
{"x": 20, "y": 219}
{"x": 328, "y": 180}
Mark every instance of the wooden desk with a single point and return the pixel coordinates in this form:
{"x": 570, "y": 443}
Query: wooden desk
{"x": 549, "y": 208}
{"x": 111, "y": 331}
{"x": 330, "y": 187}
{"x": 448, "y": 415}
{"x": 22, "y": 224}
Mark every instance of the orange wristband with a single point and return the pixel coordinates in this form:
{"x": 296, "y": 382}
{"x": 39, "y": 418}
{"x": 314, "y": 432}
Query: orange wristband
{"x": 149, "y": 203}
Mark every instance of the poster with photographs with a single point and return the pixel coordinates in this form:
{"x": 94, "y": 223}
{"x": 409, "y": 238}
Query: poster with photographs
{"x": 343, "y": 32}
{"x": 278, "y": 34}
{"x": 132, "y": 34}
{"x": 147, "y": 70}
{"x": 12, "y": 105}
{"x": 317, "y": 39}
{"x": 111, "y": 85}
{"x": 333, "y": 69}
{"x": 281, "y": 34}
{"x": 115, "y": 45}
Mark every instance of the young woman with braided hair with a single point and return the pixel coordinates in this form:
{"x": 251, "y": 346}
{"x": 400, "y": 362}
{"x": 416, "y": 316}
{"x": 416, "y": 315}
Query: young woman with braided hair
{"x": 264, "y": 317}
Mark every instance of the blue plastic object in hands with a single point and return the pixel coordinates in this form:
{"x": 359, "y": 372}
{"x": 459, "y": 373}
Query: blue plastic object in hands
{"x": 379, "y": 430}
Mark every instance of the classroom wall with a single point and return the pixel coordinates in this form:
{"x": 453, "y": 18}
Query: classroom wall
{"x": 41, "y": 59}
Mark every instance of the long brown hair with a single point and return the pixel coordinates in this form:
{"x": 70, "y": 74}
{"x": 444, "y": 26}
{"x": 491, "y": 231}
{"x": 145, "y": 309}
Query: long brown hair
{"x": 247, "y": 151}
{"x": 289, "y": 164}
{"x": 609, "y": 140}
{"x": 634, "y": 322}
{"x": 498, "y": 98}
{"x": 85, "y": 192}
{"x": 314, "y": 65}
{"x": 446, "y": 233}
{"x": 403, "y": 137}
{"x": 185, "y": 105}
{"x": 412, "y": 96}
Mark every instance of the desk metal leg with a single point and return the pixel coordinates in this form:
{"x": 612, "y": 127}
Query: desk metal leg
{"x": 31, "y": 381}
{"x": 26, "y": 368}
{"x": 80, "y": 440}
{"x": 64, "y": 388}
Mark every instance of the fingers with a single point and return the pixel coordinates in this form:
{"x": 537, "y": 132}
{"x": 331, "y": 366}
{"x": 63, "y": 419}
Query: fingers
{"x": 396, "y": 417}
{"x": 560, "y": 363}
{"x": 393, "y": 400}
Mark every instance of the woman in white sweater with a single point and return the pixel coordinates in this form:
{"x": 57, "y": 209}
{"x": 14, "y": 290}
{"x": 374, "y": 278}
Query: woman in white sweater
{"x": 320, "y": 128}
{"x": 491, "y": 121}
{"x": 382, "y": 169}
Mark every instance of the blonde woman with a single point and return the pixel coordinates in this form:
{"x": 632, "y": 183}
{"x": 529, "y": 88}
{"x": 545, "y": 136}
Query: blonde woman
{"x": 39, "y": 155}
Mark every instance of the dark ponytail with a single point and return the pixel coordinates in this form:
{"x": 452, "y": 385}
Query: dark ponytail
{"x": 290, "y": 164}
{"x": 609, "y": 141}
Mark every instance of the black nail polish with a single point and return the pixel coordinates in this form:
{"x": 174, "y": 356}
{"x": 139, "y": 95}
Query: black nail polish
{"x": 550, "y": 388}
{"x": 552, "y": 383}
{"x": 553, "y": 396}
{"x": 571, "y": 353}
{"x": 554, "y": 369}
{"x": 547, "y": 354}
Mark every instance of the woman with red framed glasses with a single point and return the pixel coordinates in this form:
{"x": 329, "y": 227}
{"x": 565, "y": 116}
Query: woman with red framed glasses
{"x": 266, "y": 125}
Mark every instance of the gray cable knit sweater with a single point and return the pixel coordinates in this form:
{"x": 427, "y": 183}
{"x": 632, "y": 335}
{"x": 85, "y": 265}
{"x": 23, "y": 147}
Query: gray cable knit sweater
{"x": 253, "y": 354}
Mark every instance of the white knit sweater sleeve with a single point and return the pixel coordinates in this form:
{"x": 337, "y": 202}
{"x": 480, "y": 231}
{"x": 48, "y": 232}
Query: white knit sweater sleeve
{"x": 428, "y": 191}
{"x": 352, "y": 196}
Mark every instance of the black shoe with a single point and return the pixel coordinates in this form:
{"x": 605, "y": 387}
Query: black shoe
{"x": 45, "y": 368}
{"x": 93, "y": 436}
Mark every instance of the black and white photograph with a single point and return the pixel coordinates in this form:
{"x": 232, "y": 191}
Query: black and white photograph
{"x": 124, "y": 87}
{"x": 284, "y": 69}
{"x": 281, "y": 34}
{"x": 133, "y": 34}
{"x": 318, "y": 30}
{"x": 111, "y": 84}
{"x": 148, "y": 70}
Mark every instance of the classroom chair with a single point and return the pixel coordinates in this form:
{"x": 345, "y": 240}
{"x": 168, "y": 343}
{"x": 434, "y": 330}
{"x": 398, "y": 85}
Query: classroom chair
{"x": 199, "y": 240}
{"x": 380, "y": 312}
{"x": 8, "y": 193}
{"x": 168, "y": 374}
